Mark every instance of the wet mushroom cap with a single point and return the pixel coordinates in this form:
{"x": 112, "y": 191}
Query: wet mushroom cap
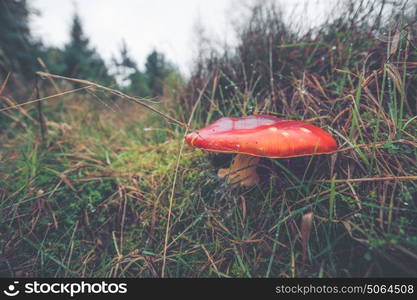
{"x": 263, "y": 135}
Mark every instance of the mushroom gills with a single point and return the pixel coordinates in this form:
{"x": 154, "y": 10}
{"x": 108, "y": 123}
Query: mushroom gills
{"x": 242, "y": 171}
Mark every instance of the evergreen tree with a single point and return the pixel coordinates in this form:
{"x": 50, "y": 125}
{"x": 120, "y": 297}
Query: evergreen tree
{"x": 125, "y": 65}
{"x": 128, "y": 74}
{"x": 81, "y": 60}
{"x": 18, "y": 50}
{"x": 139, "y": 84}
{"x": 157, "y": 69}
{"x": 54, "y": 60}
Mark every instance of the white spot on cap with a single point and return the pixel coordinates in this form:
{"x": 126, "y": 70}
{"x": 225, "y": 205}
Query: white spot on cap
{"x": 284, "y": 133}
{"x": 305, "y": 130}
{"x": 273, "y": 129}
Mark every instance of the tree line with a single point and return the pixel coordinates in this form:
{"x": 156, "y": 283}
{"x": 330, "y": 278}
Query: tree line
{"x": 20, "y": 50}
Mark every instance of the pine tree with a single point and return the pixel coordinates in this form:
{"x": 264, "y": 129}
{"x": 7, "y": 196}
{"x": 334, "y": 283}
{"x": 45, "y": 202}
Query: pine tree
{"x": 77, "y": 51}
{"x": 132, "y": 80}
{"x": 124, "y": 65}
{"x": 157, "y": 69}
{"x": 18, "y": 49}
{"x": 139, "y": 84}
{"x": 81, "y": 60}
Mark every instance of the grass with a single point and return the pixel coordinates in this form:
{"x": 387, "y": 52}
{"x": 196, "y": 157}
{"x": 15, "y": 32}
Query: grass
{"x": 95, "y": 203}
{"x": 94, "y": 200}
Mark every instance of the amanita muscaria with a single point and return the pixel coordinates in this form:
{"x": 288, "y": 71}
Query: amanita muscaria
{"x": 258, "y": 136}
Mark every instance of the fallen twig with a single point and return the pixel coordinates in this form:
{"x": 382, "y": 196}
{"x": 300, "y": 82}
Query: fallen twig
{"x": 364, "y": 179}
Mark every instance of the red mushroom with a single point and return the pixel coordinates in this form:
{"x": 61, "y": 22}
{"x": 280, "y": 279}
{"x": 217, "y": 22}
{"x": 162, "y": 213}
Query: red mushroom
{"x": 258, "y": 136}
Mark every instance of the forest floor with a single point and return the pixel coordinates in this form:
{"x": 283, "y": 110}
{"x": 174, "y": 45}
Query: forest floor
{"x": 114, "y": 192}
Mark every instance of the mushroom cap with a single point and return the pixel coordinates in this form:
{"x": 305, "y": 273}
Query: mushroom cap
{"x": 263, "y": 135}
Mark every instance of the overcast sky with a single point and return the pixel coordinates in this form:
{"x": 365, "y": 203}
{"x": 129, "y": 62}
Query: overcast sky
{"x": 145, "y": 24}
{"x": 165, "y": 25}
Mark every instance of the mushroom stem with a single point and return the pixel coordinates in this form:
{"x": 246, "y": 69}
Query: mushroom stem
{"x": 242, "y": 170}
